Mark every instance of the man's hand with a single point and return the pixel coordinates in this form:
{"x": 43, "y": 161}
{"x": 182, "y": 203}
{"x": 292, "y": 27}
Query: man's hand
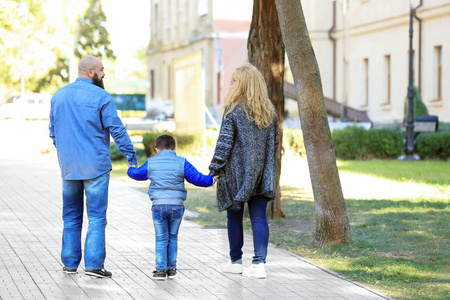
{"x": 134, "y": 166}
{"x": 216, "y": 178}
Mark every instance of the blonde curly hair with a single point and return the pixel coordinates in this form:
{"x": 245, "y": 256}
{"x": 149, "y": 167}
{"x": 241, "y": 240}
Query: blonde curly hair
{"x": 251, "y": 93}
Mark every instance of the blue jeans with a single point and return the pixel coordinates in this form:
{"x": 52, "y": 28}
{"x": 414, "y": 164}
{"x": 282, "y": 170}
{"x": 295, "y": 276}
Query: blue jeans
{"x": 257, "y": 208}
{"x": 96, "y": 191}
{"x": 167, "y": 221}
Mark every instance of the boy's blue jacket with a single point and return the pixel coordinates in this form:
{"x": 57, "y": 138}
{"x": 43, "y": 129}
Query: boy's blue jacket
{"x": 167, "y": 172}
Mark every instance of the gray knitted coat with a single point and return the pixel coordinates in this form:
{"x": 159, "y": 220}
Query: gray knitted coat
{"x": 245, "y": 160}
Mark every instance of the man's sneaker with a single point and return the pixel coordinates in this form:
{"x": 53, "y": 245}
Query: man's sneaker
{"x": 69, "y": 271}
{"x": 101, "y": 273}
{"x": 172, "y": 273}
{"x": 159, "y": 275}
{"x": 255, "y": 271}
{"x": 232, "y": 267}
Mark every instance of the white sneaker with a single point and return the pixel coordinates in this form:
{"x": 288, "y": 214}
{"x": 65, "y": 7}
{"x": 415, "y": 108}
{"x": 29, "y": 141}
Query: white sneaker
{"x": 229, "y": 267}
{"x": 255, "y": 271}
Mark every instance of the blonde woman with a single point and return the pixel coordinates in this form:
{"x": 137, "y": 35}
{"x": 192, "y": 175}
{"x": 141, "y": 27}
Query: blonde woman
{"x": 244, "y": 164}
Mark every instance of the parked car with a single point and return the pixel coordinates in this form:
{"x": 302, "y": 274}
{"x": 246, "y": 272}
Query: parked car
{"x": 30, "y": 106}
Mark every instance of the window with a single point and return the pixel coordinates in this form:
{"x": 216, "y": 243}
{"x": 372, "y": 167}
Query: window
{"x": 366, "y": 82}
{"x": 218, "y": 88}
{"x": 387, "y": 79}
{"x": 169, "y": 13}
{"x": 156, "y": 18}
{"x": 202, "y": 7}
{"x": 169, "y": 82}
{"x": 152, "y": 84}
{"x": 438, "y": 55}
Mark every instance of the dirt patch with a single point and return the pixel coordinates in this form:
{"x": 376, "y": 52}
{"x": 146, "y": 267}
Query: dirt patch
{"x": 397, "y": 254}
{"x": 293, "y": 225}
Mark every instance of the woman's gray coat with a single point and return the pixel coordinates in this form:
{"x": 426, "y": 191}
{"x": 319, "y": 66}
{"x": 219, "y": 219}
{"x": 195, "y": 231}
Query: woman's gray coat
{"x": 244, "y": 159}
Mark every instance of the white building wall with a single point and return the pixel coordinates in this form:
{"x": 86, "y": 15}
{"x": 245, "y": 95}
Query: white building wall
{"x": 374, "y": 29}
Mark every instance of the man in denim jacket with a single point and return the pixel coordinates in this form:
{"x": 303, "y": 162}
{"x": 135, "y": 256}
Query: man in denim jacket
{"x": 167, "y": 172}
{"x": 82, "y": 118}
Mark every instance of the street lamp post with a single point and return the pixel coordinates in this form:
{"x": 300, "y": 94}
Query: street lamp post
{"x": 409, "y": 147}
{"x": 344, "y": 64}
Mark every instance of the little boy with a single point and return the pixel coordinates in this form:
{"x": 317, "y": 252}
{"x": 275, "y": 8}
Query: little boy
{"x": 167, "y": 172}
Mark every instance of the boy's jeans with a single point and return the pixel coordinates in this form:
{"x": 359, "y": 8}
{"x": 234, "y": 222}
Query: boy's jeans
{"x": 167, "y": 221}
{"x": 257, "y": 209}
{"x": 96, "y": 204}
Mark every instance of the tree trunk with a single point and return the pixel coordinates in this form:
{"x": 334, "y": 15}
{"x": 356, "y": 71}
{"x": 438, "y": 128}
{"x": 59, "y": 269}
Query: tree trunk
{"x": 332, "y": 223}
{"x": 266, "y": 52}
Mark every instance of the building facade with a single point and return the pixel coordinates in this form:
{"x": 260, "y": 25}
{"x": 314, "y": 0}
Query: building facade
{"x": 180, "y": 27}
{"x": 362, "y": 47}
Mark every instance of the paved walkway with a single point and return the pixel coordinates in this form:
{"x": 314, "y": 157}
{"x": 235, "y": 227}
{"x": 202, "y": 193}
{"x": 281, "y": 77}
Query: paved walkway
{"x": 30, "y": 242}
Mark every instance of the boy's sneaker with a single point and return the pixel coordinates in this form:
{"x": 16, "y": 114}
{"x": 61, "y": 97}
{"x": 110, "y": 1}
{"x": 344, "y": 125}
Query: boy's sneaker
{"x": 234, "y": 267}
{"x": 69, "y": 271}
{"x": 255, "y": 271}
{"x": 159, "y": 275}
{"x": 172, "y": 273}
{"x": 100, "y": 273}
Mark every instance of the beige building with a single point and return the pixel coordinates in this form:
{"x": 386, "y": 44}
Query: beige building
{"x": 370, "y": 36}
{"x": 362, "y": 49}
{"x": 218, "y": 28}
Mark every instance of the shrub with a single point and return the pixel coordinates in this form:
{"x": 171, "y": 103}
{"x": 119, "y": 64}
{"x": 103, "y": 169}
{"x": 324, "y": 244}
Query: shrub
{"x": 443, "y": 126}
{"x": 349, "y": 143}
{"x": 358, "y": 143}
{"x": 384, "y": 143}
{"x": 419, "y": 107}
{"x": 148, "y": 140}
{"x": 433, "y": 145}
{"x": 114, "y": 152}
{"x": 185, "y": 143}
{"x": 293, "y": 140}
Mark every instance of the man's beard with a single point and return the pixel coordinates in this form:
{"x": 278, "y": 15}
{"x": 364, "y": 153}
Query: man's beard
{"x": 98, "y": 81}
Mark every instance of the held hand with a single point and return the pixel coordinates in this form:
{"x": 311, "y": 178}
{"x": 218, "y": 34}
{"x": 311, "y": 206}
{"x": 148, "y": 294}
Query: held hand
{"x": 134, "y": 166}
{"x": 216, "y": 178}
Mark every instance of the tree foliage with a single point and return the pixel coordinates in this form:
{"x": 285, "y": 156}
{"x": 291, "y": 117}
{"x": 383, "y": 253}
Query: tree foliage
{"x": 93, "y": 37}
{"x": 420, "y": 109}
{"x": 19, "y": 43}
{"x": 56, "y": 77}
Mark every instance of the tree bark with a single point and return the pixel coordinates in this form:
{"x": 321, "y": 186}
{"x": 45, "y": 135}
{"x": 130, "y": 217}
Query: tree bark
{"x": 266, "y": 52}
{"x": 332, "y": 223}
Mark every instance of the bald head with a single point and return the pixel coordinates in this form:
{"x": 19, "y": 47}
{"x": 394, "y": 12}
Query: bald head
{"x": 86, "y": 63}
{"x": 91, "y": 67}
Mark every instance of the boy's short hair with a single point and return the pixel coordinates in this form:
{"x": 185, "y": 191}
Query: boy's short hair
{"x": 165, "y": 141}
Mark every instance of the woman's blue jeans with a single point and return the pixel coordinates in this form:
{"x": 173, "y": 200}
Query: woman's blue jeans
{"x": 96, "y": 191}
{"x": 257, "y": 208}
{"x": 167, "y": 220}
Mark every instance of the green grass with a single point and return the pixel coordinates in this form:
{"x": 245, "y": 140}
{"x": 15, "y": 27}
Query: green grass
{"x": 400, "y": 246}
{"x": 428, "y": 172}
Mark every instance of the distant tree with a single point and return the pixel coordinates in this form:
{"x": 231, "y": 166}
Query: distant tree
{"x": 56, "y": 77}
{"x": 332, "y": 223}
{"x": 93, "y": 38}
{"x": 7, "y": 7}
{"x": 266, "y": 52}
{"x": 13, "y": 30}
{"x": 420, "y": 109}
{"x": 141, "y": 55}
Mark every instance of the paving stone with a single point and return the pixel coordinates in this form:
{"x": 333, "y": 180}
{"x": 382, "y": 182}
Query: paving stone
{"x": 30, "y": 242}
